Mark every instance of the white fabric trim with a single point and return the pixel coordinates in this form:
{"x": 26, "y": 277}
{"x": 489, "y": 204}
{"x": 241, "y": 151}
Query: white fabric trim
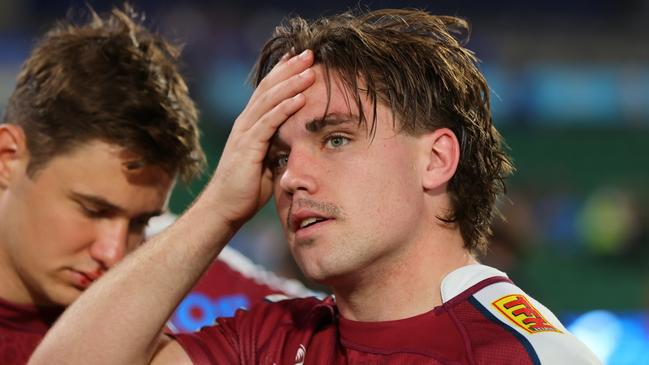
{"x": 552, "y": 348}
{"x": 459, "y": 280}
{"x": 237, "y": 261}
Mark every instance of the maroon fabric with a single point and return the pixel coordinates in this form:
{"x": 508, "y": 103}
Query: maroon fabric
{"x": 221, "y": 279}
{"x": 491, "y": 342}
{"x": 219, "y": 293}
{"x": 22, "y": 327}
{"x": 310, "y": 331}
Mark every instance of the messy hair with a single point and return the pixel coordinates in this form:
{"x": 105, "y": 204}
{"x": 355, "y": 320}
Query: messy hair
{"x": 107, "y": 79}
{"x": 416, "y": 64}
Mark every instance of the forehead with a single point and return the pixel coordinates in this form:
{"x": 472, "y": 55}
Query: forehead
{"x": 330, "y": 98}
{"x": 106, "y": 173}
{"x": 340, "y": 99}
{"x": 97, "y": 160}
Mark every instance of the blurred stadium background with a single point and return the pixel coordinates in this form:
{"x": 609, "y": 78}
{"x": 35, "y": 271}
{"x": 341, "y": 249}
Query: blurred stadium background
{"x": 571, "y": 96}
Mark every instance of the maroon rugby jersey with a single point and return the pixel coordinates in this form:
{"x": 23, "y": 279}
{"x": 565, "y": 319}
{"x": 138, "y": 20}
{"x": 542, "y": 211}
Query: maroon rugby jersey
{"x": 230, "y": 283}
{"x": 484, "y": 319}
{"x": 22, "y": 327}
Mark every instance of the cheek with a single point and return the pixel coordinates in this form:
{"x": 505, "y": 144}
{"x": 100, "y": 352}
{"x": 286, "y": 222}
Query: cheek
{"x": 390, "y": 190}
{"x": 47, "y": 241}
{"x": 61, "y": 228}
{"x": 73, "y": 234}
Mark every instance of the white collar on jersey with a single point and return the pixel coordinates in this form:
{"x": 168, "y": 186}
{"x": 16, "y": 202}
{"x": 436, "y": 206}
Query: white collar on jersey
{"x": 459, "y": 280}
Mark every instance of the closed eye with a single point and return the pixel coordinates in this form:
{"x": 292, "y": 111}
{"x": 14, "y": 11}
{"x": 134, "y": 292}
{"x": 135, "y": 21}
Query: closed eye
{"x": 94, "y": 213}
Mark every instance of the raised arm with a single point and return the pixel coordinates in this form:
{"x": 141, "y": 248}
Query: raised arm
{"x": 119, "y": 319}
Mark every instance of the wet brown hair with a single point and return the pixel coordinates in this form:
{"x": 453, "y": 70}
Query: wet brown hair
{"x": 416, "y": 64}
{"x": 107, "y": 79}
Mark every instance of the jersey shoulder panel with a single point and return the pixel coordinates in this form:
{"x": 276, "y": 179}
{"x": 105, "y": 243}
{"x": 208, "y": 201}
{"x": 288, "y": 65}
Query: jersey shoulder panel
{"x": 535, "y": 326}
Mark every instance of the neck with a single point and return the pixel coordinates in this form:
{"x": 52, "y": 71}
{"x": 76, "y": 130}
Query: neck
{"x": 404, "y": 287}
{"x": 11, "y": 286}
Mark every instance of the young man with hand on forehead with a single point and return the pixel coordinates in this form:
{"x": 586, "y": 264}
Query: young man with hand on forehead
{"x": 99, "y": 127}
{"x": 377, "y": 143}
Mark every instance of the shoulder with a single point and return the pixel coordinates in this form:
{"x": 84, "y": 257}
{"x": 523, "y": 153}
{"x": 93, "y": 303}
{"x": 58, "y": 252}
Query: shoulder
{"x": 22, "y": 328}
{"x": 270, "y": 314}
{"x": 296, "y": 311}
{"x": 264, "y": 325}
{"x": 516, "y": 320}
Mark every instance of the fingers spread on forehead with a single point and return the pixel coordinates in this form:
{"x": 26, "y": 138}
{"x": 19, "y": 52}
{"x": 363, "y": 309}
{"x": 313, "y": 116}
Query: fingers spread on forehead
{"x": 283, "y": 90}
{"x": 272, "y": 98}
{"x": 287, "y": 79}
{"x": 264, "y": 129}
{"x": 286, "y": 68}
{"x": 284, "y": 58}
{"x": 283, "y": 71}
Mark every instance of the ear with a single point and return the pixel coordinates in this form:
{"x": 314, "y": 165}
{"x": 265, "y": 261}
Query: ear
{"x": 13, "y": 152}
{"x": 442, "y": 155}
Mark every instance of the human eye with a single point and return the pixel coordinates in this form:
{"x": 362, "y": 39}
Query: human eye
{"x": 336, "y": 141}
{"x": 92, "y": 212}
{"x": 278, "y": 161}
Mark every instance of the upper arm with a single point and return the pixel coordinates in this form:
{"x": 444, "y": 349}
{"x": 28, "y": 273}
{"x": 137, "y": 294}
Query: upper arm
{"x": 169, "y": 352}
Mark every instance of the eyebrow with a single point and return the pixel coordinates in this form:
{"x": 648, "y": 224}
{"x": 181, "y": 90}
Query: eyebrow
{"x": 317, "y": 125}
{"x": 103, "y": 203}
{"x": 329, "y": 120}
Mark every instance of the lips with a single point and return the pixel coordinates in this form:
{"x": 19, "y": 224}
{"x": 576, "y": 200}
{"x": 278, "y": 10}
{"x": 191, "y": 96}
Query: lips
{"x": 83, "y": 279}
{"x": 304, "y": 219}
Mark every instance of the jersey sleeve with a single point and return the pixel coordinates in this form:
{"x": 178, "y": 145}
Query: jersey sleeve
{"x": 216, "y": 344}
{"x": 546, "y": 340}
{"x": 242, "y": 339}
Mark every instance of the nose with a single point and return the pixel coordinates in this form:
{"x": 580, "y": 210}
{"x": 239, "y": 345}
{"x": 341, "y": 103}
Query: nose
{"x": 299, "y": 173}
{"x": 111, "y": 243}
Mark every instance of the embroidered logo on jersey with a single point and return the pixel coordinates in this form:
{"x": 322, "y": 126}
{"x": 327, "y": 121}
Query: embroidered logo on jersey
{"x": 519, "y": 310}
{"x": 300, "y": 355}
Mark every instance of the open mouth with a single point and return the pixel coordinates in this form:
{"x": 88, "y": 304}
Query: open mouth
{"x": 308, "y": 222}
